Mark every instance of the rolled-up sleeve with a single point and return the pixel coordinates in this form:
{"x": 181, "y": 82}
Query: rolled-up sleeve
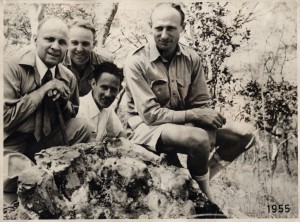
{"x": 144, "y": 99}
{"x": 17, "y": 107}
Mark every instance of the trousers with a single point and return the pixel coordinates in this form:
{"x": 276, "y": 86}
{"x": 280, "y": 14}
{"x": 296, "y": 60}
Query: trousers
{"x": 25, "y": 145}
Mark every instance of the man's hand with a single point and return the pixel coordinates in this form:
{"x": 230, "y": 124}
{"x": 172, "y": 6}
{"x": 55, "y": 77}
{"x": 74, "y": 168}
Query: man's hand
{"x": 55, "y": 89}
{"x": 206, "y": 117}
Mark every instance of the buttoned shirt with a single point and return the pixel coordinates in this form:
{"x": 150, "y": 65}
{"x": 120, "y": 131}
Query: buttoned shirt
{"x": 103, "y": 122}
{"x": 158, "y": 95}
{"x": 83, "y": 79}
{"x": 21, "y": 99}
{"x": 42, "y": 68}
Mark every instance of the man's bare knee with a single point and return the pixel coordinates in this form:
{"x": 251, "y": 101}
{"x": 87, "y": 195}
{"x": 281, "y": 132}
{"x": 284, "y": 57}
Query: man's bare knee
{"x": 198, "y": 143}
{"x": 184, "y": 139}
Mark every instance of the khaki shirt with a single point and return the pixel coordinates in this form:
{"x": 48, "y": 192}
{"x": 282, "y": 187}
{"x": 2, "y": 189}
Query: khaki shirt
{"x": 21, "y": 100}
{"x": 156, "y": 95}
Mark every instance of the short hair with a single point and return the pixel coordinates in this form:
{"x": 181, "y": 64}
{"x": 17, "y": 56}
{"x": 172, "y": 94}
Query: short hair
{"x": 177, "y": 7}
{"x": 110, "y": 68}
{"x": 83, "y": 24}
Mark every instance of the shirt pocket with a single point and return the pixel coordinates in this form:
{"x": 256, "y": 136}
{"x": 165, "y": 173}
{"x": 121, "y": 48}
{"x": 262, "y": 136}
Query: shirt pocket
{"x": 160, "y": 88}
{"x": 183, "y": 85}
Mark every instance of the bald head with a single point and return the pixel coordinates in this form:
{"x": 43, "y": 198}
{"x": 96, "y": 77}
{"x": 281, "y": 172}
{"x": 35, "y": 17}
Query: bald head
{"x": 52, "y": 41}
{"x": 53, "y": 20}
{"x": 162, "y": 7}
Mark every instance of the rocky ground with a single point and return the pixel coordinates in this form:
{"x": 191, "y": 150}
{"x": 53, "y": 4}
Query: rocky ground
{"x": 114, "y": 179}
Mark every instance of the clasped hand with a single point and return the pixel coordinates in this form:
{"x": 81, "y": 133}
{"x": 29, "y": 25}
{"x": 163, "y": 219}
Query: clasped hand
{"x": 57, "y": 90}
{"x": 209, "y": 118}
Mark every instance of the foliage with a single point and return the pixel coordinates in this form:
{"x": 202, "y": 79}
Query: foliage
{"x": 273, "y": 108}
{"x": 16, "y": 25}
{"x": 215, "y": 39}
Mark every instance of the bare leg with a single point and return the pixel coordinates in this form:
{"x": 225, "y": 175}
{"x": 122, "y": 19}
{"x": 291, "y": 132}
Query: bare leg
{"x": 232, "y": 144}
{"x": 191, "y": 141}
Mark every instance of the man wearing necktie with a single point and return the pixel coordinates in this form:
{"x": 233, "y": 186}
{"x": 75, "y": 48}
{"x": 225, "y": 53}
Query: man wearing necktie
{"x": 34, "y": 80}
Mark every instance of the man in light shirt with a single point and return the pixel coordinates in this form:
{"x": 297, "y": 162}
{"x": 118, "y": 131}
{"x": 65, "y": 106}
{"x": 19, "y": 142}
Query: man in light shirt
{"x": 95, "y": 106}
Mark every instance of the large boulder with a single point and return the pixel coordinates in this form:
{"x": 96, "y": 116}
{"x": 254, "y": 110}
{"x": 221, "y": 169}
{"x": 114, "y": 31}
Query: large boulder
{"x": 114, "y": 179}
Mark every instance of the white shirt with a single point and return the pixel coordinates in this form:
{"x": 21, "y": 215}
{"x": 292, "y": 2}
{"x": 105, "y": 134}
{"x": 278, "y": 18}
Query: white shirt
{"x": 103, "y": 122}
{"x": 42, "y": 68}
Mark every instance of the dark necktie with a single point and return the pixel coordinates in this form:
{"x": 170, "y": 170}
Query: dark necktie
{"x": 47, "y": 77}
{"x": 43, "y": 124}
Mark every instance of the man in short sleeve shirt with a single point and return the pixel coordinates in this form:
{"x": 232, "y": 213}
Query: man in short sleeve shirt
{"x": 168, "y": 101}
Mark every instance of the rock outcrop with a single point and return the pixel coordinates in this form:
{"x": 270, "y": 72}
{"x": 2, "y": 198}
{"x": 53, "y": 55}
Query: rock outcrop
{"x": 114, "y": 179}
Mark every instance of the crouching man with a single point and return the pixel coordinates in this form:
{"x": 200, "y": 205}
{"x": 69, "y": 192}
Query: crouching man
{"x": 95, "y": 106}
{"x": 34, "y": 83}
{"x": 168, "y": 101}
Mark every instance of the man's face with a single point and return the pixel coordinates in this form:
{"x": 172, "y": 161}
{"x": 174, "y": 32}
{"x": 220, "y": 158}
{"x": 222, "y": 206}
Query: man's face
{"x": 52, "y": 42}
{"x": 166, "y": 27}
{"x": 81, "y": 45}
{"x": 105, "y": 89}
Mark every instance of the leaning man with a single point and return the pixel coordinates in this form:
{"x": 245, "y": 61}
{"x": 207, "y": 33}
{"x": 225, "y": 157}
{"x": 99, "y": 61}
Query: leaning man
{"x": 168, "y": 101}
{"x": 34, "y": 83}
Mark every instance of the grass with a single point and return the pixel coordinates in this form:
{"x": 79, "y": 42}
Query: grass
{"x": 241, "y": 193}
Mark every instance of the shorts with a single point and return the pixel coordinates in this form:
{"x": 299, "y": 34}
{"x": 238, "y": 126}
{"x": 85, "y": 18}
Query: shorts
{"x": 148, "y": 136}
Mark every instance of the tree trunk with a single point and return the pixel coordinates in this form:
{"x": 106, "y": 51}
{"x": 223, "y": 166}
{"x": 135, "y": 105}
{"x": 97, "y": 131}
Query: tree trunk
{"x": 108, "y": 22}
{"x": 36, "y": 14}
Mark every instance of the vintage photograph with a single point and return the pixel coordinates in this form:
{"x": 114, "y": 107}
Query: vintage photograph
{"x": 150, "y": 110}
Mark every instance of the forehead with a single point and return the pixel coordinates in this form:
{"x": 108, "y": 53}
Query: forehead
{"x": 107, "y": 78}
{"x": 80, "y": 32}
{"x": 165, "y": 15}
{"x": 55, "y": 28}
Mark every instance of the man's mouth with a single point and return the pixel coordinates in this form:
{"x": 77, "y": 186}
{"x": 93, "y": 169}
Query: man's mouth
{"x": 54, "y": 54}
{"x": 164, "y": 41}
{"x": 80, "y": 56}
{"x": 106, "y": 101}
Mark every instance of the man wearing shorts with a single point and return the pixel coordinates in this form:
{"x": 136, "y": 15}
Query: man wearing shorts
{"x": 168, "y": 101}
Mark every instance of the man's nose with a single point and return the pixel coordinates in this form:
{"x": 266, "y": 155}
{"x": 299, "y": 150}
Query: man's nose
{"x": 55, "y": 45}
{"x": 107, "y": 93}
{"x": 79, "y": 48}
{"x": 164, "y": 34}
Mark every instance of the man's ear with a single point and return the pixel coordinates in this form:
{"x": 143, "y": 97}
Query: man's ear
{"x": 34, "y": 37}
{"x": 183, "y": 26}
{"x": 95, "y": 43}
{"x": 92, "y": 82}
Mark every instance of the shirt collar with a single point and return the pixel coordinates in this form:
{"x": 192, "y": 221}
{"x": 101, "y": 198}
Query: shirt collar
{"x": 154, "y": 53}
{"x": 93, "y": 108}
{"x": 42, "y": 68}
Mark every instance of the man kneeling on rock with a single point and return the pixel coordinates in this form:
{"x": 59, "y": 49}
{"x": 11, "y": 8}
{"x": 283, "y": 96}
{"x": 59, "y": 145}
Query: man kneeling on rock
{"x": 95, "y": 106}
{"x": 36, "y": 87}
{"x": 168, "y": 102}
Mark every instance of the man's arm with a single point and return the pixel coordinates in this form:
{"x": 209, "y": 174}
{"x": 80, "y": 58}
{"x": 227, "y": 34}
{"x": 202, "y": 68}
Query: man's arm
{"x": 17, "y": 107}
{"x": 145, "y": 100}
{"x": 71, "y": 104}
{"x": 201, "y": 112}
